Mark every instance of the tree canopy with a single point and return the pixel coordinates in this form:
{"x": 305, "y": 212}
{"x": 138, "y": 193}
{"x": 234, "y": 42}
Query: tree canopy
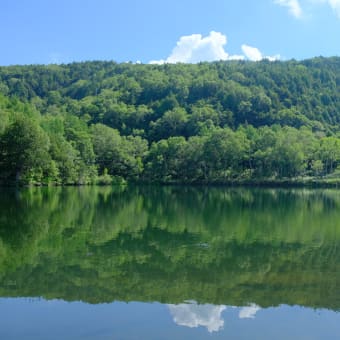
{"x": 208, "y": 122}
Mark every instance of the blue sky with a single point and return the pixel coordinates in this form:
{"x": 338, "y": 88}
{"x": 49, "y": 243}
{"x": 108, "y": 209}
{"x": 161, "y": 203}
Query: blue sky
{"x": 44, "y": 31}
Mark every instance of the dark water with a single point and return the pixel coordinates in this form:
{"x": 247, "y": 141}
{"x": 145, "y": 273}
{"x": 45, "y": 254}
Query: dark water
{"x": 169, "y": 263}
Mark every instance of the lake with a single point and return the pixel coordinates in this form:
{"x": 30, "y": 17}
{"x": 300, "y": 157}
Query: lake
{"x": 169, "y": 263}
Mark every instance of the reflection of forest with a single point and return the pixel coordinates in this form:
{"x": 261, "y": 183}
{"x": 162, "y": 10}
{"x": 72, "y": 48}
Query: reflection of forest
{"x": 211, "y": 245}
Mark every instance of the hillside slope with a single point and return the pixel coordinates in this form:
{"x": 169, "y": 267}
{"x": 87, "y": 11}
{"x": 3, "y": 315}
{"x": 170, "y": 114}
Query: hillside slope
{"x": 209, "y": 122}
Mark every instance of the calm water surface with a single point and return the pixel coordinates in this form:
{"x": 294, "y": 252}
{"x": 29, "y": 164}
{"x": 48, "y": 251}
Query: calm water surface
{"x": 169, "y": 263}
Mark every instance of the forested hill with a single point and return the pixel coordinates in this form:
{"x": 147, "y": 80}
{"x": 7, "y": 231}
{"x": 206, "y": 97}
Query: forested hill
{"x": 208, "y": 122}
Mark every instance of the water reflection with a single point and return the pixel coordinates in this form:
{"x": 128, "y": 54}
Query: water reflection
{"x": 193, "y": 315}
{"x": 249, "y": 312}
{"x": 215, "y": 246}
{"x": 40, "y": 319}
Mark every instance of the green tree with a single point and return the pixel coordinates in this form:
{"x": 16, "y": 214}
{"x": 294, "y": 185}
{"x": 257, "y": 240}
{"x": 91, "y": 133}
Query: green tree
{"x": 173, "y": 123}
{"x": 24, "y": 150}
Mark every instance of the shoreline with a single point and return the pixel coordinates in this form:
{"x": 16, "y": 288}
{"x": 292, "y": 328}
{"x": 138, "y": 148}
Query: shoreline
{"x": 283, "y": 183}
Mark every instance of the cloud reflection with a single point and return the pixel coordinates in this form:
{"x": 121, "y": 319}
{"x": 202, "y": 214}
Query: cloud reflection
{"x": 249, "y": 312}
{"x": 193, "y": 315}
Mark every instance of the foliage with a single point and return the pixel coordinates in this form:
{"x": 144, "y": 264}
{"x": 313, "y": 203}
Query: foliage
{"x": 209, "y": 122}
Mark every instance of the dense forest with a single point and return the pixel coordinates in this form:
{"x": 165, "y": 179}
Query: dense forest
{"x": 221, "y": 122}
{"x": 150, "y": 243}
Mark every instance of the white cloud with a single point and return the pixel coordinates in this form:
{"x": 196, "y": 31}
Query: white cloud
{"x": 293, "y": 6}
{"x": 249, "y": 312}
{"x": 193, "y": 315}
{"x": 334, "y": 4}
{"x": 254, "y": 54}
{"x": 157, "y": 62}
{"x": 195, "y": 48}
